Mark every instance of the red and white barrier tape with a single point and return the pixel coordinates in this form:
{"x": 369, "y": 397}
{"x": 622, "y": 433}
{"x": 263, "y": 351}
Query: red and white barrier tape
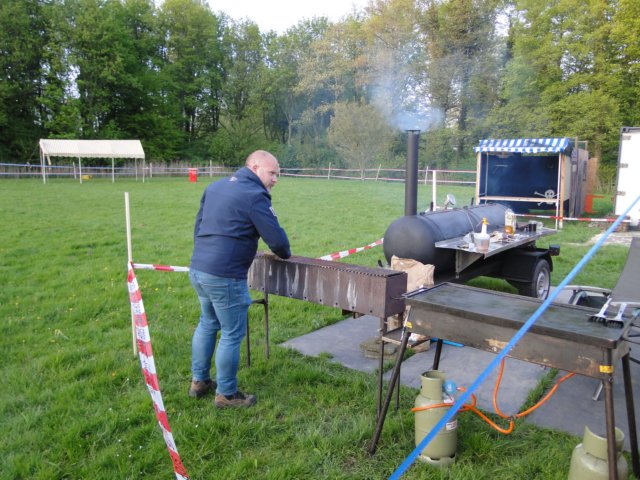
{"x": 346, "y": 253}
{"x": 164, "y": 268}
{"x": 143, "y": 340}
{"x": 331, "y": 256}
{"x": 576, "y": 219}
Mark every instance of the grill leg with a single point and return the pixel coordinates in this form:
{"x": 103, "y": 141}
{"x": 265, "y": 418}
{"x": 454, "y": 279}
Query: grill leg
{"x": 631, "y": 416}
{"x": 265, "y": 303}
{"x": 383, "y": 330}
{"x": 610, "y": 421}
{"x": 436, "y": 357}
{"x": 390, "y": 388}
{"x": 248, "y": 341}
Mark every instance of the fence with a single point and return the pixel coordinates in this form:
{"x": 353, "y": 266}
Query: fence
{"x": 147, "y": 171}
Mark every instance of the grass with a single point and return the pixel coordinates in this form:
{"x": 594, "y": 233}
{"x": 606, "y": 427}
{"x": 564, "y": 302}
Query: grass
{"x": 74, "y": 403}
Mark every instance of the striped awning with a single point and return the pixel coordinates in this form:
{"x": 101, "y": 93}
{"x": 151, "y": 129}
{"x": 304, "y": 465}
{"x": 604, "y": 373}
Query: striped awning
{"x": 524, "y": 145}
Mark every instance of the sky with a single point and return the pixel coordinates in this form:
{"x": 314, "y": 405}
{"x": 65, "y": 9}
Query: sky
{"x": 279, "y": 15}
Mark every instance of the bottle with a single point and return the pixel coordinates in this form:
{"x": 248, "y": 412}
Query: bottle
{"x": 482, "y": 239}
{"x": 509, "y": 222}
{"x": 590, "y": 459}
{"x": 431, "y": 401}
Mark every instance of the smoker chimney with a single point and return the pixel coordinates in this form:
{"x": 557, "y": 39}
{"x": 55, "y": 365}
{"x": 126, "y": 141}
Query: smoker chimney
{"x": 411, "y": 177}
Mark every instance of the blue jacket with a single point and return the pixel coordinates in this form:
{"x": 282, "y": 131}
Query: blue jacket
{"x": 234, "y": 213}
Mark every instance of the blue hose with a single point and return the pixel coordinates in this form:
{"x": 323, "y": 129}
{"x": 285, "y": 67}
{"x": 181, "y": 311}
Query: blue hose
{"x": 498, "y": 358}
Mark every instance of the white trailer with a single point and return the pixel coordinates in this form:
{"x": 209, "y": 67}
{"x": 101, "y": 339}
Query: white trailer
{"x": 628, "y": 184}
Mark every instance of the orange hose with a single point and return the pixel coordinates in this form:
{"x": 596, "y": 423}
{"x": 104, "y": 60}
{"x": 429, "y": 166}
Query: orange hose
{"x": 546, "y": 397}
{"x": 472, "y": 406}
{"x": 429, "y": 407}
{"x": 495, "y": 426}
{"x": 541, "y": 402}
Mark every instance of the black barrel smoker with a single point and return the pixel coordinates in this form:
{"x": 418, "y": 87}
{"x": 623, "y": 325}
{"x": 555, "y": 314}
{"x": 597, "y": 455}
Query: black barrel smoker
{"x": 437, "y": 238}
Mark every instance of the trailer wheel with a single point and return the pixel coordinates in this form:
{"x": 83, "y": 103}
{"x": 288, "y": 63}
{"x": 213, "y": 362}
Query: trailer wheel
{"x": 539, "y": 287}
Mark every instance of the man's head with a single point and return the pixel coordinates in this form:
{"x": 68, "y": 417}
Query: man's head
{"x": 265, "y": 166}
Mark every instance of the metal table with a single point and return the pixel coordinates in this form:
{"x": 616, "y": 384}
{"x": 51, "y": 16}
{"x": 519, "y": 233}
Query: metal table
{"x": 466, "y": 253}
{"x": 562, "y": 338}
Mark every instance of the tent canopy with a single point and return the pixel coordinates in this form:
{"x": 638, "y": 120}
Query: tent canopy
{"x": 524, "y": 145}
{"x": 92, "y": 148}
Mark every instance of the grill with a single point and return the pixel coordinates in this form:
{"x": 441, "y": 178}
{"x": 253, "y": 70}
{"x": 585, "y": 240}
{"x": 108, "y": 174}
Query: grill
{"x": 354, "y": 288}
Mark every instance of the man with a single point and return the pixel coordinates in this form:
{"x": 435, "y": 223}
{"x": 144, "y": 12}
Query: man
{"x": 234, "y": 213}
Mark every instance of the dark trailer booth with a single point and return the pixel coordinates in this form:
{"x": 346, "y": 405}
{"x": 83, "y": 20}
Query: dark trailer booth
{"x": 532, "y": 174}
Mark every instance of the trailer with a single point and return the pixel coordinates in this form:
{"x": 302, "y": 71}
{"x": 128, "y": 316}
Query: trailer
{"x": 533, "y": 174}
{"x": 628, "y": 181}
{"x": 444, "y": 239}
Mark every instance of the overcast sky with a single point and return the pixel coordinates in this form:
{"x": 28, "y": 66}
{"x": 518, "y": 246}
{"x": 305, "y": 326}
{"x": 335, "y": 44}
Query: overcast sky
{"x": 279, "y": 15}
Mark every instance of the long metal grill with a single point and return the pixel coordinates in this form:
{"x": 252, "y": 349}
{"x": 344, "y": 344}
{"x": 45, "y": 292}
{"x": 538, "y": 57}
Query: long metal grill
{"x": 372, "y": 291}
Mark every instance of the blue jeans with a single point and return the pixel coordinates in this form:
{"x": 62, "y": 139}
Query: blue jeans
{"x": 224, "y": 304}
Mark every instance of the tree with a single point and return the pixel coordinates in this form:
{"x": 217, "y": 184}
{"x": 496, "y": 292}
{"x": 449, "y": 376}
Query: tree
{"x": 625, "y": 37}
{"x": 462, "y": 63}
{"x": 566, "y": 51}
{"x": 328, "y": 75}
{"x": 360, "y": 134}
{"x": 241, "y": 95}
{"x": 192, "y": 71}
{"x": 396, "y": 64}
{"x": 285, "y": 56}
{"x": 22, "y": 37}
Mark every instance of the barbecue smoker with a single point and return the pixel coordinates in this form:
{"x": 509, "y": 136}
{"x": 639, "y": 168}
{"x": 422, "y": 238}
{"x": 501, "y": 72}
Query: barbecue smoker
{"x": 441, "y": 238}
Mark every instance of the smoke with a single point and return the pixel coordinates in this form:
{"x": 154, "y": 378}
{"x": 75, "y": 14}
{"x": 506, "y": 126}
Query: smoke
{"x": 416, "y": 120}
{"x": 399, "y": 96}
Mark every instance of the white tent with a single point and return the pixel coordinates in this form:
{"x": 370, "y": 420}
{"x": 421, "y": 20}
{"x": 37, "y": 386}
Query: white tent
{"x": 90, "y": 149}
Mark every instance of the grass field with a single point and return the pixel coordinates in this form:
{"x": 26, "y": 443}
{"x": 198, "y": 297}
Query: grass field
{"x": 74, "y": 403}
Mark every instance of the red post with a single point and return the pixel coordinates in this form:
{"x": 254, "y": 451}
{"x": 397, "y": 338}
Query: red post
{"x": 588, "y": 202}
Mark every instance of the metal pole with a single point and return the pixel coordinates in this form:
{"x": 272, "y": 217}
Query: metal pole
{"x": 42, "y": 165}
{"x": 631, "y": 416}
{"x": 559, "y": 190}
{"x": 80, "y": 169}
{"x": 130, "y": 259}
{"x": 610, "y": 417}
{"x": 411, "y": 177}
{"x": 433, "y": 187}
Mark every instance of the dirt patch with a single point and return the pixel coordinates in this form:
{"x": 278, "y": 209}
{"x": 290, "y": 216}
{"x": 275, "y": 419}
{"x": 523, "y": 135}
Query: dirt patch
{"x": 616, "y": 238}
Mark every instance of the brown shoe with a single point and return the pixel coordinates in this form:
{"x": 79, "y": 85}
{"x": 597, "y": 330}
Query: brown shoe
{"x": 237, "y": 400}
{"x": 199, "y": 389}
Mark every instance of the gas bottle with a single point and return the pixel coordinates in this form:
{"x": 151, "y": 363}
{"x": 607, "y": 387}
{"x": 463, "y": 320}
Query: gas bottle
{"x": 509, "y": 222}
{"x": 589, "y": 460}
{"x": 441, "y": 451}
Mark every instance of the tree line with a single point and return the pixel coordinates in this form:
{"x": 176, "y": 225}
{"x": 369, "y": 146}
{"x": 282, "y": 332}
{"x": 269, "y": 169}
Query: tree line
{"x": 195, "y": 85}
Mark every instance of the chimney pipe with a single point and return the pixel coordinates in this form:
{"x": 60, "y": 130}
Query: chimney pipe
{"x": 411, "y": 177}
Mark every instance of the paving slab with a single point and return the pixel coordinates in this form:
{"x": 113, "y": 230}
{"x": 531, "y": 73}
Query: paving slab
{"x": 342, "y": 341}
{"x": 569, "y": 410}
{"x": 461, "y": 364}
{"x": 572, "y": 407}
